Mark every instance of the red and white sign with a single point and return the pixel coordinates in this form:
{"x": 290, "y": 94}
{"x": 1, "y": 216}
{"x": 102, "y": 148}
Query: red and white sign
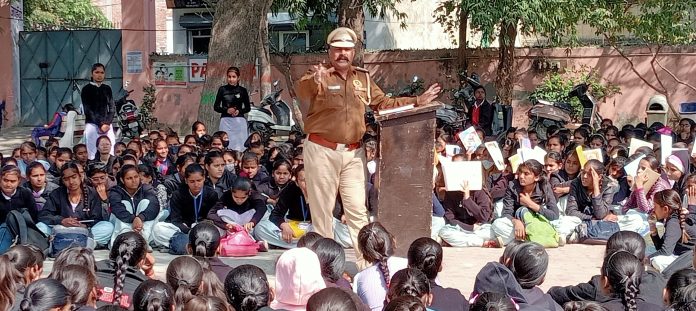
{"x": 197, "y": 69}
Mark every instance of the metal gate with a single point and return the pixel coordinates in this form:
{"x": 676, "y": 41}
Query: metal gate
{"x": 55, "y": 65}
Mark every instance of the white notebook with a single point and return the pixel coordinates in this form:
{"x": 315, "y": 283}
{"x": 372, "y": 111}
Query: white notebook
{"x": 456, "y": 173}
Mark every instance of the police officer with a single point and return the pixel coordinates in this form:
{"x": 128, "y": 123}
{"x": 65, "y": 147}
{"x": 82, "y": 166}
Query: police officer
{"x": 336, "y": 96}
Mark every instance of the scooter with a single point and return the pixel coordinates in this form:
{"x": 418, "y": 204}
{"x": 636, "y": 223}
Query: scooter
{"x": 273, "y": 117}
{"x": 546, "y": 113}
{"x": 130, "y": 123}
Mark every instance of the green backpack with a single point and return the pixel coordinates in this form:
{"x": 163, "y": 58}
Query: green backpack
{"x": 540, "y": 230}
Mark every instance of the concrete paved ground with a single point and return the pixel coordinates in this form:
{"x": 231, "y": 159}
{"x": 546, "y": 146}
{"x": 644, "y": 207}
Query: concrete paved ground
{"x": 12, "y": 137}
{"x": 571, "y": 264}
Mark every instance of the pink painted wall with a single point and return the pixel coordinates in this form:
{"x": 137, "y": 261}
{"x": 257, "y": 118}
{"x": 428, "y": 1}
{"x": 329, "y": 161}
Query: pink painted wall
{"x": 6, "y": 56}
{"x": 137, "y": 15}
{"x": 392, "y": 70}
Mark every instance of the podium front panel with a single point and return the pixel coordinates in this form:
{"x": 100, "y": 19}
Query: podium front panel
{"x": 405, "y": 176}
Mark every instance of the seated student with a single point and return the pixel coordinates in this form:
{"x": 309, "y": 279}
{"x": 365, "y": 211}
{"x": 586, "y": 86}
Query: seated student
{"x": 37, "y": 184}
{"x": 103, "y": 155}
{"x": 250, "y": 169}
{"x": 63, "y": 155}
{"x": 680, "y": 291}
{"x": 331, "y": 298}
{"x": 75, "y": 204}
{"x": 204, "y": 243}
{"x": 247, "y": 288}
{"x": 80, "y": 256}
{"x": 122, "y": 273}
{"x": 149, "y": 176}
{"x": 292, "y": 291}
{"x": 189, "y": 205}
{"x": 556, "y": 143}
{"x": 617, "y": 175}
{"x": 529, "y": 194}
{"x": 81, "y": 155}
{"x": 28, "y": 154}
{"x": 239, "y": 207}
{"x": 153, "y": 295}
{"x": 492, "y": 301}
{"x": 51, "y": 129}
{"x": 641, "y": 199}
{"x": 679, "y": 235}
{"x": 529, "y": 263}
{"x": 553, "y": 166}
{"x": 119, "y": 147}
{"x": 134, "y": 206}
{"x": 410, "y": 303}
{"x": 621, "y": 278}
{"x": 218, "y": 177}
{"x": 425, "y": 254}
{"x": 20, "y": 268}
{"x": 589, "y": 202}
{"x": 46, "y": 294}
{"x": 410, "y": 282}
{"x": 81, "y": 282}
{"x": 186, "y": 277}
{"x": 651, "y": 284}
{"x": 173, "y": 182}
{"x": 291, "y": 218}
{"x": 272, "y": 188}
{"x": 100, "y": 180}
{"x": 377, "y": 246}
{"x": 570, "y": 171}
{"x": 160, "y": 158}
{"x": 676, "y": 172}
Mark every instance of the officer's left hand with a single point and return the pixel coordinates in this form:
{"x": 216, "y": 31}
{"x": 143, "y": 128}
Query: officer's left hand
{"x": 429, "y": 95}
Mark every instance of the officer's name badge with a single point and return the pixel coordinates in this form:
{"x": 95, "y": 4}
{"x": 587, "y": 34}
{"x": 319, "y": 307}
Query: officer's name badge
{"x": 334, "y": 87}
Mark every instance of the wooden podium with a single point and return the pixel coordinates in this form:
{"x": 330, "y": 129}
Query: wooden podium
{"x": 404, "y": 178}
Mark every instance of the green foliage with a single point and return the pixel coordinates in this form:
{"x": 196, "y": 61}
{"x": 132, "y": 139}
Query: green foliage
{"x": 147, "y": 108}
{"x": 63, "y": 14}
{"x": 319, "y": 11}
{"x": 556, "y": 86}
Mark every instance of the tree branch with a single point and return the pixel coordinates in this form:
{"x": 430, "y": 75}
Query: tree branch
{"x": 671, "y": 74}
{"x": 633, "y": 66}
{"x": 652, "y": 65}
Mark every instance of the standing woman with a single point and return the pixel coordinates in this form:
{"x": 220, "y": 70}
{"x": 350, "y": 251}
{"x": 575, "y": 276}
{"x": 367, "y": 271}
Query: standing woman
{"x": 99, "y": 108}
{"x": 232, "y": 102}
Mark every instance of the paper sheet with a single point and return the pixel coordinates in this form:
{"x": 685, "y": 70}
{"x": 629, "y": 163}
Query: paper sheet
{"x": 532, "y": 154}
{"x": 632, "y": 167}
{"x": 456, "y": 173}
{"x": 665, "y": 148}
{"x": 637, "y": 143}
{"x": 496, "y": 154}
{"x": 593, "y": 154}
{"x": 515, "y": 162}
{"x": 652, "y": 178}
{"x": 581, "y": 156}
{"x": 451, "y": 150}
{"x": 470, "y": 139}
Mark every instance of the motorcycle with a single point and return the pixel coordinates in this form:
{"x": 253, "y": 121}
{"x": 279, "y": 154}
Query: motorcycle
{"x": 546, "y": 113}
{"x": 272, "y": 117}
{"x": 130, "y": 123}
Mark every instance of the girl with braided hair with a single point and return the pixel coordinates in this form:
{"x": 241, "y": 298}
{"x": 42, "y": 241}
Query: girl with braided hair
{"x": 377, "y": 247}
{"x": 410, "y": 282}
{"x": 153, "y": 295}
{"x": 620, "y": 279}
{"x": 121, "y": 274}
{"x": 76, "y": 205}
{"x": 680, "y": 234}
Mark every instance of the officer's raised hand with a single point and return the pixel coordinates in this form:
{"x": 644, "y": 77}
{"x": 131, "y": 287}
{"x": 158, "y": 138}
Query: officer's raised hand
{"x": 321, "y": 73}
{"x": 429, "y": 95}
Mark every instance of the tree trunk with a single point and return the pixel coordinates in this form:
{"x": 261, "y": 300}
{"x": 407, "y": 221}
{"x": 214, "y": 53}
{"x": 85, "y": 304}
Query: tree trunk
{"x": 352, "y": 15}
{"x": 505, "y": 82}
{"x": 264, "y": 54}
{"x": 462, "y": 55}
{"x": 235, "y": 28}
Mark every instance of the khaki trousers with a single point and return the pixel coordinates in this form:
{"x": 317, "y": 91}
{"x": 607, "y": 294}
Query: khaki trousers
{"x": 329, "y": 172}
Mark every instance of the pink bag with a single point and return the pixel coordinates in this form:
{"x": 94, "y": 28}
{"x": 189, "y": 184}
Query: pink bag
{"x": 238, "y": 244}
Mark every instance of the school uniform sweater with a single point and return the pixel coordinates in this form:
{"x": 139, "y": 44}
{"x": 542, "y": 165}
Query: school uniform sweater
{"x": 106, "y": 271}
{"x": 182, "y": 208}
{"x": 616, "y": 304}
{"x": 232, "y": 96}
{"x": 498, "y": 185}
{"x": 220, "y": 268}
{"x": 536, "y": 297}
{"x": 623, "y": 192}
{"x": 40, "y": 196}
{"x": 162, "y": 167}
{"x": 58, "y": 207}
{"x": 117, "y": 195}
{"x": 254, "y": 202}
{"x": 260, "y": 178}
{"x": 223, "y": 184}
{"x": 447, "y": 298}
{"x": 172, "y": 183}
{"x": 271, "y": 189}
{"x": 98, "y": 104}
{"x": 20, "y": 200}
{"x": 292, "y": 205}
{"x": 651, "y": 285}
{"x": 477, "y": 209}
{"x": 586, "y": 207}
{"x": 540, "y": 195}
{"x": 670, "y": 243}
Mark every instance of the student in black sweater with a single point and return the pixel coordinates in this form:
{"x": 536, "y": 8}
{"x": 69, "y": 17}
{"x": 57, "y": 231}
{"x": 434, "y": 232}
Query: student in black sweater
{"x": 239, "y": 206}
{"x": 12, "y": 196}
{"x": 621, "y": 278}
{"x": 134, "y": 205}
{"x": 218, "y": 177}
{"x": 99, "y": 108}
{"x": 173, "y": 182}
{"x": 232, "y": 102}
{"x": 272, "y": 188}
{"x": 189, "y": 205}
{"x": 75, "y": 204}
{"x": 291, "y": 218}
{"x": 679, "y": 235}
{"x": 425, "y": 254}
{"x": 252, "y": 169}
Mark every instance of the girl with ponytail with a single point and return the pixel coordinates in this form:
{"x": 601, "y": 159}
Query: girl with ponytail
{"x": 377, "y": 246}
{"x": 680, "y": 292}
{"x": 184, "y": 275}
{"x": 529, "y": 193}
{"x": 425, "y": 254}
{"x": 204, "y": 241}
{"x": 410, "y": 282}
{"x": 680, "y": 234}
{"x": 620, "y": 279}
{"x": 153, "y": 295}
{"x": 15, "y": 275}
{"x": 529, "y": 263}
{"x": 121, "y": 273}
{"x": 46, "y": 295}
{"x": 247, "y": 288}
{"x": 76, "y": 205}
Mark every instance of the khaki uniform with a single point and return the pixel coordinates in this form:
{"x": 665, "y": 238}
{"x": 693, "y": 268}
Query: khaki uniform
{"x": 336, "y": 113}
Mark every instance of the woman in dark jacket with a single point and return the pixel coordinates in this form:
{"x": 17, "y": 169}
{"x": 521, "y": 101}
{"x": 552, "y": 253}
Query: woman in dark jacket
{"x": 239, "y": 206}
{"x": 98, "y": 105}
{"x": 37, "y": 184}
{"x": 232, "y": 102}
{"x": 13, "y": 197}
{"x": 189, "y": 205}
{"x": 134, "y": 206}
{"x": 218, "y": 177}
{"x": 75, "y": 204}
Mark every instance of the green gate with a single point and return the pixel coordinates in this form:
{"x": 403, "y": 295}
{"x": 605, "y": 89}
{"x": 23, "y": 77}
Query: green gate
{"x": 55, "y": 65}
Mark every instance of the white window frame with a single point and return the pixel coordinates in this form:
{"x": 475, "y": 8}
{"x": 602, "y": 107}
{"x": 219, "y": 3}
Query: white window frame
{"x": 281, "y": 40}
{"x": 190, "y": 36}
